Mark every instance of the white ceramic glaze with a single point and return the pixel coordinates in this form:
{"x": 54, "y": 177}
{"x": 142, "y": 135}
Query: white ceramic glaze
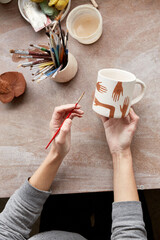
{"x": 69, "y": 72}
{"x": 76, "y": 13}
{"x": 114, "y": 92}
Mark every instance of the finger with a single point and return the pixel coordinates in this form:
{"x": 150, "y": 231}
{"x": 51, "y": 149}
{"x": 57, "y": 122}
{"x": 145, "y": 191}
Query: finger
{"x": 78, "y": 111}
{"x": 104, "y": 119}
{"x": 134, "y": 117}
{"x": 127, "y": 119}
{"x": 61, "y": 110}
{"x": 65, "y": 129}
{"x": 73, "y": 115}
{"x": 65, "y": 108}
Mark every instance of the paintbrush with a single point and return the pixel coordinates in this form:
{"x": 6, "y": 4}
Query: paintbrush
{"x": 58, "y": 69}
{"x": 57, "y": 19}
{"x": 35, "y": 56}
{"x": 94, "y": 3}
{"x": 61, "y": 33}
{"x": 40, "y": 70}
{"x": 54, "y": 48}
{"x": 38, "y": 73}
{"x": 40, "y": 48}
{"x": 43, "y": 72}
{"x": 27, "y": 52}
{"x": 46, "y": 64}
{"x": 28, "y": 64}
{"x": 45, "y": 75}
{"x": 64, "y": 120}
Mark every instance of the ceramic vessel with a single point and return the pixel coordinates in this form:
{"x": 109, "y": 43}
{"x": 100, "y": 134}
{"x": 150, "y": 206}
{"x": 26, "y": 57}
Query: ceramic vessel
{"x": 5, "y": 1}
{"x": 22, "y": 11}
{"x": 82, "y": 10}
{"x": 114, "y": 92}
{"x": 69, "y": 72}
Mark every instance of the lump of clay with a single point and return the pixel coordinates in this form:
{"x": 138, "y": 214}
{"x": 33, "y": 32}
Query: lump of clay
{"x": 12, "y": 84}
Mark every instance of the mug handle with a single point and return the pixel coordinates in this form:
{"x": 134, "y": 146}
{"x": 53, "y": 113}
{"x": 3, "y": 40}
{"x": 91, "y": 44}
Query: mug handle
{"x": 143, "y": 88}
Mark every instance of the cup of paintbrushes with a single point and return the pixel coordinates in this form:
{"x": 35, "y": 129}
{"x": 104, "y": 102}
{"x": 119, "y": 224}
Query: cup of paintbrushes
{"x": 68, "y": 72}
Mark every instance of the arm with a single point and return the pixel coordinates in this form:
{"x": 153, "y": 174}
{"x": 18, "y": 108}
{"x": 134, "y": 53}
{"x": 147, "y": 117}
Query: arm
{"x": 25, "y": 205}
{"x": 127, "y": 213}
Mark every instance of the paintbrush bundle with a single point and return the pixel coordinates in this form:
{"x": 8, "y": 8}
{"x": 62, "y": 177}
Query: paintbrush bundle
{"x": 47, "y": 61}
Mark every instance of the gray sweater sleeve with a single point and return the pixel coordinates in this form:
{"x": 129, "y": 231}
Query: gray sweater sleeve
{"x": 21, "y": 211}
{"x": 127, "y": 221}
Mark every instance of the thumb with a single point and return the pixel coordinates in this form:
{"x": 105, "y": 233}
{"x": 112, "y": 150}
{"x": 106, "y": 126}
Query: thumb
{"x": 61, "y": 138}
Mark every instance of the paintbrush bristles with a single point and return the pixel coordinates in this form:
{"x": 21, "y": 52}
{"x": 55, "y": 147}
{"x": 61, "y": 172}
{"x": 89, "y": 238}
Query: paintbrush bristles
{"x": 80, "y": 98}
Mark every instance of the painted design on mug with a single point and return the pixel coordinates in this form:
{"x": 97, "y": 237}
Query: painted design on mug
{"x": 101, "y": 88}
{"x": 111, "y": 108}
{"x": 118, "y": 90}
{"x": 125, "y": 106}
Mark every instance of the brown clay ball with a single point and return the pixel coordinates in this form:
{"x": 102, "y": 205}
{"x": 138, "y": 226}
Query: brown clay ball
{"x": 12, "y": 84}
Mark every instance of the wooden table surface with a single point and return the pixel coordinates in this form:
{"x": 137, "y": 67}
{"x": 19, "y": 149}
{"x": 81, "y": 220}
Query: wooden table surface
{"x": 130, "y": 41}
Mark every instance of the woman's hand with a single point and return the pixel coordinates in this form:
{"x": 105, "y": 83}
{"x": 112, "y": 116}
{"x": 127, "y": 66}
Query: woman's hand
{"x": 119, "y": 132}
{"x": 61, "y": 144}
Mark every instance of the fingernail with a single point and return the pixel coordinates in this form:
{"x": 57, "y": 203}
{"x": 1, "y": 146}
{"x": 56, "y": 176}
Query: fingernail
{"x": 80, "y": 111}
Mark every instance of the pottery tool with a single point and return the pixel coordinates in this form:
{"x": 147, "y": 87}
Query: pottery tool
{"x": 64, "y": 120}
{"x": 28, "y": 52}
{"x": 94, "y": 3}
{"x": 40, "y": 48}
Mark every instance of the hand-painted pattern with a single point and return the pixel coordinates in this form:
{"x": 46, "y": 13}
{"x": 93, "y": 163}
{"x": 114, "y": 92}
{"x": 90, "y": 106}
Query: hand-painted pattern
{"x": 118, "y": 90}
{"x": 101, "y": 88}
{"x": 111, "y": 108}
{"x": 125, "y": 106}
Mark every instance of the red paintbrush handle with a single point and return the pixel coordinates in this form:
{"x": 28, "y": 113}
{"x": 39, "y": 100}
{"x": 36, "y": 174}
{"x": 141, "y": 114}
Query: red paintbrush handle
{"x": 60, "y": 127}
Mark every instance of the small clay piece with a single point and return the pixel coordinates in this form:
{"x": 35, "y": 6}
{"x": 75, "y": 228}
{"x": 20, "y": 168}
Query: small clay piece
{"x": 12, "y": 84}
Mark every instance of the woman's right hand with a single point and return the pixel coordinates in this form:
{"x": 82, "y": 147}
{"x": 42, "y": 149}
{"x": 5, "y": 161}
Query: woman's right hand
{"x": 119, "y": 132}
{"x": 61, "y": 144}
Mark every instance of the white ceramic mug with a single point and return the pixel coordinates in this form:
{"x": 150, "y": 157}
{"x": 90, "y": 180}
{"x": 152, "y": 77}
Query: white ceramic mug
{"x": 114, "y": 92}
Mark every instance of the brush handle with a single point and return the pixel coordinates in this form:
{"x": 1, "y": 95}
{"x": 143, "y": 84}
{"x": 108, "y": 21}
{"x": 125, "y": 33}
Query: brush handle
{"x": 60, "y": 127}
{"x": 38, "y": 54}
